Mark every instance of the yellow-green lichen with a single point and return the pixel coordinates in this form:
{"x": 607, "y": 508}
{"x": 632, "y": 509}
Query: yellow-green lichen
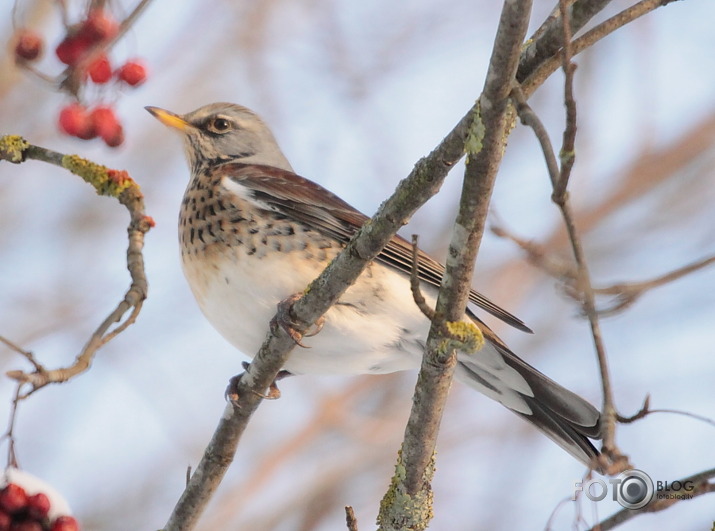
{"x": 566, "y": 157}
{"x": 475, "y": 135}
{"x": 106, "y": 181}
{"x": 510, "y": 119}
{"x": 12, "y": 148}
{"x": 465, "y": 337}
{"x": 400, "y": 510}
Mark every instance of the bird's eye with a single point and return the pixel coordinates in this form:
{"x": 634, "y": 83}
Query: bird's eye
{"x": 219, "y": 125}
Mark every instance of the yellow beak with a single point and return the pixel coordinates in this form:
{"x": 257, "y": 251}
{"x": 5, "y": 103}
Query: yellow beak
{"x": 169, "y": 118}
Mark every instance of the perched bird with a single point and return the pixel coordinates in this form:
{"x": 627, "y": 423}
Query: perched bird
{"x": 253, "y": 232}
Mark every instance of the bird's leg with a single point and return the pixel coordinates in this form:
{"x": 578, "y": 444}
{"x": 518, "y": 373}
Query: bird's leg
{"x": 274, "y": 393}
{"x": 231, "y": 392}
{"x": 285, "y": 321}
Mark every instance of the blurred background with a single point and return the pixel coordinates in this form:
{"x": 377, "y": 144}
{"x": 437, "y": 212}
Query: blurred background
{"x": 356, "y": 93}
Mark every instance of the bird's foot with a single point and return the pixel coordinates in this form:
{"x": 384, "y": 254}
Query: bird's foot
{"x": 284, "y": 319}
{"x": 273, "y": 393}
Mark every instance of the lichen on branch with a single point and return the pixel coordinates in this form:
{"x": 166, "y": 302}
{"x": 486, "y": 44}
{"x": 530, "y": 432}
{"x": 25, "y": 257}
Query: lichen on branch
{"x": 13, "y": 148}
{"x": 400, "y": 508}
{"x": 106, "y": 181}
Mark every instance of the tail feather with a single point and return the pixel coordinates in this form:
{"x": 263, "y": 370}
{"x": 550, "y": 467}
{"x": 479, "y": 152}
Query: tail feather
{"x": 559, "y": 401}
{"x": 563, "y": 416}
{"x": 568, "y": 436}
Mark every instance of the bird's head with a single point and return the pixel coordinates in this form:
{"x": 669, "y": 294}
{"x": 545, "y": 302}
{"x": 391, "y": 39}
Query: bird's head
{"x": 222, "y": 132}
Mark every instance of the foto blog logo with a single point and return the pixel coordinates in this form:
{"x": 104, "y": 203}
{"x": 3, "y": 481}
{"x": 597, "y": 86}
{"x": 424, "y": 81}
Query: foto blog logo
{"x": 633, "y": 489}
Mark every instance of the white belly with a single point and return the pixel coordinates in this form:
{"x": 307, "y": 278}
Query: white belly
{"x": 239, "y": 294}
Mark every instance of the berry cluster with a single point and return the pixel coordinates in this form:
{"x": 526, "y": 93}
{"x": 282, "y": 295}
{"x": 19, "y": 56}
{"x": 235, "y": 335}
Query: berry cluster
{"x": 83, "y": 50}
{"x": 101, "y": 121}
{"x": 22, "y": 512}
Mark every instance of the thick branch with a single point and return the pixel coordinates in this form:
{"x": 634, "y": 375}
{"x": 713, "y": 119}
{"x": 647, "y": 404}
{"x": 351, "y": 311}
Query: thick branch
{"x": 408, "y": 502}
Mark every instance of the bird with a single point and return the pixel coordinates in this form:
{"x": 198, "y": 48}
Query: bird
{"x": 252, "y": 233}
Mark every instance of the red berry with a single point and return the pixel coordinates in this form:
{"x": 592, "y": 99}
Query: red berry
{"x": 104, "y": 120}
{"x": 26, "y": 525}
{"x": 38, "y": 505}
{"x": 132, "y": 73}
{"x": 75, "y": 121}
{"x": 107, "y": 125}
{"x": 13, "y": 498}
{"x": 65, "y": 523}
{"x": 71, "y": 49}
{"x": 5, "y": 521}
{"x": 100, "y": 70}
{"x": 28, "y": 46}
{"x": 100, "y": 26}
{"x": 117, "y": 139}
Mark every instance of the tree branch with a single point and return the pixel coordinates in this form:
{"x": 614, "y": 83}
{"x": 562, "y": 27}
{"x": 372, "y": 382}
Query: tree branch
{"x": 408, "y": 502}
{"x": 105, "y": 181}
{"x": 617, "y": 460}
{"x": 351, "y": 519}
{"x": 531, "y": 80}
{"x": 627, "y": 293}
{"x": 547, "y": 41}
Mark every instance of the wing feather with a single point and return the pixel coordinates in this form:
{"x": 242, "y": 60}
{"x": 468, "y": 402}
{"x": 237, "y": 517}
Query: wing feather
{"x": 298, "y": 198}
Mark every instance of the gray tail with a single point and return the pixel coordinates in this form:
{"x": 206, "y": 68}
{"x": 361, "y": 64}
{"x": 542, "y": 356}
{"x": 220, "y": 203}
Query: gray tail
{"x": 566, "y": 418}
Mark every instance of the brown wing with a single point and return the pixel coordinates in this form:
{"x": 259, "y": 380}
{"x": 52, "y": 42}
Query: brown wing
{"x": 298, "y": 198}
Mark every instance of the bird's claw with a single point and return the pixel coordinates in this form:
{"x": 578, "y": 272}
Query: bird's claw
{"x": 231, "y": 393}
{"x": 284, "y": 319}
{"x": 317, "y": 327}
{"x": 273, "y": 392}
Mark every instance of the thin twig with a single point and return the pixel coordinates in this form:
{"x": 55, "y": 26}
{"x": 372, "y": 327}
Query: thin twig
{"x": 116, "y": 184}
{"x": 351, "y": 518}
{"x": 645, "y": 410}
{"x": 641, "y": 413}
{"x": 701, "y": 418}
{"x": 415, "y": 283}
{"x": 529, "y": 118}
{"x": 560, "y": 198}
{"x": 626, "y": 293}
{"x": 583, "y": 282}
{"x": 10, "y": 432}
{"x": 567, "y": 154}
{"x": 535, "y": 78}
{"x": 29, "y": 356}
{"x": 437, "y": 321}
{"x": 547, "y": 40}
{"x": 555, "y": 511}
